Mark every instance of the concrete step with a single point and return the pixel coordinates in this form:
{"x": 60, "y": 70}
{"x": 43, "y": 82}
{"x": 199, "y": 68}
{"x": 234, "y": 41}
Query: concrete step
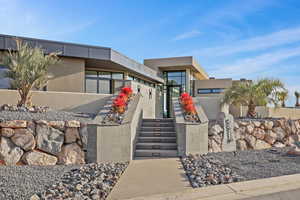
{"x": 157, "y": 139}
{"x": 157, "y": 145}
{"x": 157, "y": 134}
{"x": 157, "y": 124}
{"x": 155, "y": 153}
{"x": 159, "y": 120}
{"x": 158, "y": 129}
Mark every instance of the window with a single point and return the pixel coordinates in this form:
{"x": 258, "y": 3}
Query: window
{"x": 4, "y": 82}
{"x": 101, "y": 82}
{"x": 175, "y": 78}
{"x": 211, "y": 91}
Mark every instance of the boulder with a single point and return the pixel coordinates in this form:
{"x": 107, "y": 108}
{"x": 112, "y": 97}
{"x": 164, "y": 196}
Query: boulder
{"x": 278, "y": 144}
{"x": 270, "y": 137}
{"x": 240, "y": 133}
{"x": 250, "y": 128}
{"x": 57, "y": 124}
{"x": 73, "y": 124}
{"x": 243, "y": 123}
{"x": 9, "y": 152}
{"x": 251, "y": 140}
{"x": 260, "y": 144}
{"x": 236, "y": 125}
{"x": 71, "y": 135}
{"x": 49, "y": 139}
{"x": 71, "y": 154}
{"x": 279, "y": 132}
{"x": 31, "y": 127}
{"x": 241, "y": 145}
{"x": 14, "y": 124}
{"x": 41, "y": 122}
{"x": 259, "y": 133}
{"x": 38, "y": 158}
{"x": 256, "y": 123}
{"x": 268, "y": 124}
{"x": 7, "y": 132}
{"x": 215, "y": 130}
{"x": 290, "y": 141}
{"x": 297, "y": 126}
{"x": 83, "y": 132}
{"x": 24, "y": 139}
{"x": 218, "y": 139}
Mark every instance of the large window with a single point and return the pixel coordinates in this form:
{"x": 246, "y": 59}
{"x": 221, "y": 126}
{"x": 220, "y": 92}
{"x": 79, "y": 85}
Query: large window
{"x": 101, "y": 82}
{"x": 175, "y": 78}
{"x": 4, "y": 82}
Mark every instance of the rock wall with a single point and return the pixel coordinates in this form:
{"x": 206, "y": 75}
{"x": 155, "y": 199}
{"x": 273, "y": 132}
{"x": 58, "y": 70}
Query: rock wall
{"x": 257, "y": 134}
{"x": 42, "y": 142}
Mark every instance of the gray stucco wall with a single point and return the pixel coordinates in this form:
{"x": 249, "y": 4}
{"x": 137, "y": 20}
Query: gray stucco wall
{"x": 116, "y": 142}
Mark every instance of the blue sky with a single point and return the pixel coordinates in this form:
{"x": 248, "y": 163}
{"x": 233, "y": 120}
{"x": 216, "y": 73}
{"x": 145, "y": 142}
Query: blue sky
{"x": 229, "y": 38}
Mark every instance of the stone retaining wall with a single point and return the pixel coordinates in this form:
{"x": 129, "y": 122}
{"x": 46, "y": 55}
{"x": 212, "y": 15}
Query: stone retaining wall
{"x": 42, "y": 142}
{"x": 257, "y": 134}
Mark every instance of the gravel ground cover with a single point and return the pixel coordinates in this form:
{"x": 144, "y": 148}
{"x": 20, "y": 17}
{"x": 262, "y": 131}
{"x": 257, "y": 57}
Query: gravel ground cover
{"x": 226, "y": 167}
{"x": 52, "y": 115}
{"x": 89, "y": 181}
{"x": 21, "y": 182}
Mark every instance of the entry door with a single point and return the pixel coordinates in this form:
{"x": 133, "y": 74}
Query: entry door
{"x": 172, "y": 91}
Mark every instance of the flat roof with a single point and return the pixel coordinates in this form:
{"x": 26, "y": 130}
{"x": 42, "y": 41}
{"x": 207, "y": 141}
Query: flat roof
{"x": 176, "y": 62}
{"x": 67, "y": 49}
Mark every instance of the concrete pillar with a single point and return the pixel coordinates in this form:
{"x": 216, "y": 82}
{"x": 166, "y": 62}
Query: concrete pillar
{"x": 187, "y": 80}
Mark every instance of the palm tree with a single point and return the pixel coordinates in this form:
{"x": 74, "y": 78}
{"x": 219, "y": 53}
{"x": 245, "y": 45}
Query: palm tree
{"x": 282, "y": 97}
{"x": 253, "y": 94}
{"x": 297, "y": 94}
{"x": 27, "y": 69}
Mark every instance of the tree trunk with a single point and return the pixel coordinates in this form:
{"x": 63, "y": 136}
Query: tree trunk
{"x": 24, "y": 95}
{"x": 297, "y": 101}
{"x": 283, "y": 104}
{"x": 251, "y": 110}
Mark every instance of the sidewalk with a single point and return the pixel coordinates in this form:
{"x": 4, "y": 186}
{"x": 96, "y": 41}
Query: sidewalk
{"x": 276, "y": 188}
{"x": 150, "y": 177}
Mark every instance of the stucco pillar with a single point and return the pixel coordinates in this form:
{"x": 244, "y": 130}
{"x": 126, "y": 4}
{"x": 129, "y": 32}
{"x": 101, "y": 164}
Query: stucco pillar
{"x": 187, "y": 80}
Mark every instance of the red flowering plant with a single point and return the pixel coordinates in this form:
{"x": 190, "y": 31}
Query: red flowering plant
{"x": 187, "y": 104}
{"x": 119, "y": 105}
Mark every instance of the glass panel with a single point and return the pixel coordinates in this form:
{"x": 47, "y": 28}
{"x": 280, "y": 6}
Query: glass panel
{"x": 174, "y": 74}
{"x": 217, "y": 90}
{"x": 104, "y": 86}
{"x": 105, "y": 75}
{"x": 116, "y": 75}
{"x": 4, "y": 82}
{"x": 92, "y": 74}
{"x": 91, "y": 85}
{"x": 174, "y": 81}
{"x": 130, "y": 78}
{"x": 118, "y": 85}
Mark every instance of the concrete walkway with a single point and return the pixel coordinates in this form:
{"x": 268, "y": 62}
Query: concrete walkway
{"x": 276, "y": 188}
{"x": 150, "y": 177}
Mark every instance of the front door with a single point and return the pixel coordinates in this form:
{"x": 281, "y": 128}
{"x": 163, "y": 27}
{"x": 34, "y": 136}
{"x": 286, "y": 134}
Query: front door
{"x": 172, "y": 91}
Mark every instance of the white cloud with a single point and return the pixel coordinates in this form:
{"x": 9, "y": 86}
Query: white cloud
{"x": 282, "y": 37}
{"x": 187, "y": 35}
{"x": 254, "y": 65}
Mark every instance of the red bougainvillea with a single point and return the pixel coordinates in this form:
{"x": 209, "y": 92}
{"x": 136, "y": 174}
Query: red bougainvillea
{"x": 121, "y": 101}
{"x": 187, "y": 104}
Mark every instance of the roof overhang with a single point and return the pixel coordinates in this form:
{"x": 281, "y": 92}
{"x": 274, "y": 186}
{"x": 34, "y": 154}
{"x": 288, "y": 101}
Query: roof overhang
{"x": 178, "y": 63}
{"x": 87, "y": 52}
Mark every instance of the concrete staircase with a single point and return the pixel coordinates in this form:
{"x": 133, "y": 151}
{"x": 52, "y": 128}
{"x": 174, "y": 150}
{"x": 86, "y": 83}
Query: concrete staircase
{"x": 156, "y": 139}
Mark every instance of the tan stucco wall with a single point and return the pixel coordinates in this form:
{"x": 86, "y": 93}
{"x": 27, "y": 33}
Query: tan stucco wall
{"x": 262, "y": 111}
{"x": 68, "y": 75}
{"x": 212, "y": 83}
{"x": 148, "y": 104}
{"x": 67, "y": 101}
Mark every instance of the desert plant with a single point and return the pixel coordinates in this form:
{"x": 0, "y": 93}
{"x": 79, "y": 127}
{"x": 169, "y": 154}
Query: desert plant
{"x": 27, "y": 69}
{"x": 253, "y": 94}
{"x": 297, "y": 94}
{"x": 282, "y": 97}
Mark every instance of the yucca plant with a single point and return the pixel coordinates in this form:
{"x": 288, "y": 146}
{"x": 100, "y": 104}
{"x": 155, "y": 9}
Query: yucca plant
{"x": 253, "y": 94}
{"x": 282, "y": 97}
{"x": 297, "y": 94}
{"x": 27, "y": 69}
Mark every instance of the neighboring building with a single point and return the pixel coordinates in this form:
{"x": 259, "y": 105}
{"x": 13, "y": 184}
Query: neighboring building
{"x": 94, "y": 69}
